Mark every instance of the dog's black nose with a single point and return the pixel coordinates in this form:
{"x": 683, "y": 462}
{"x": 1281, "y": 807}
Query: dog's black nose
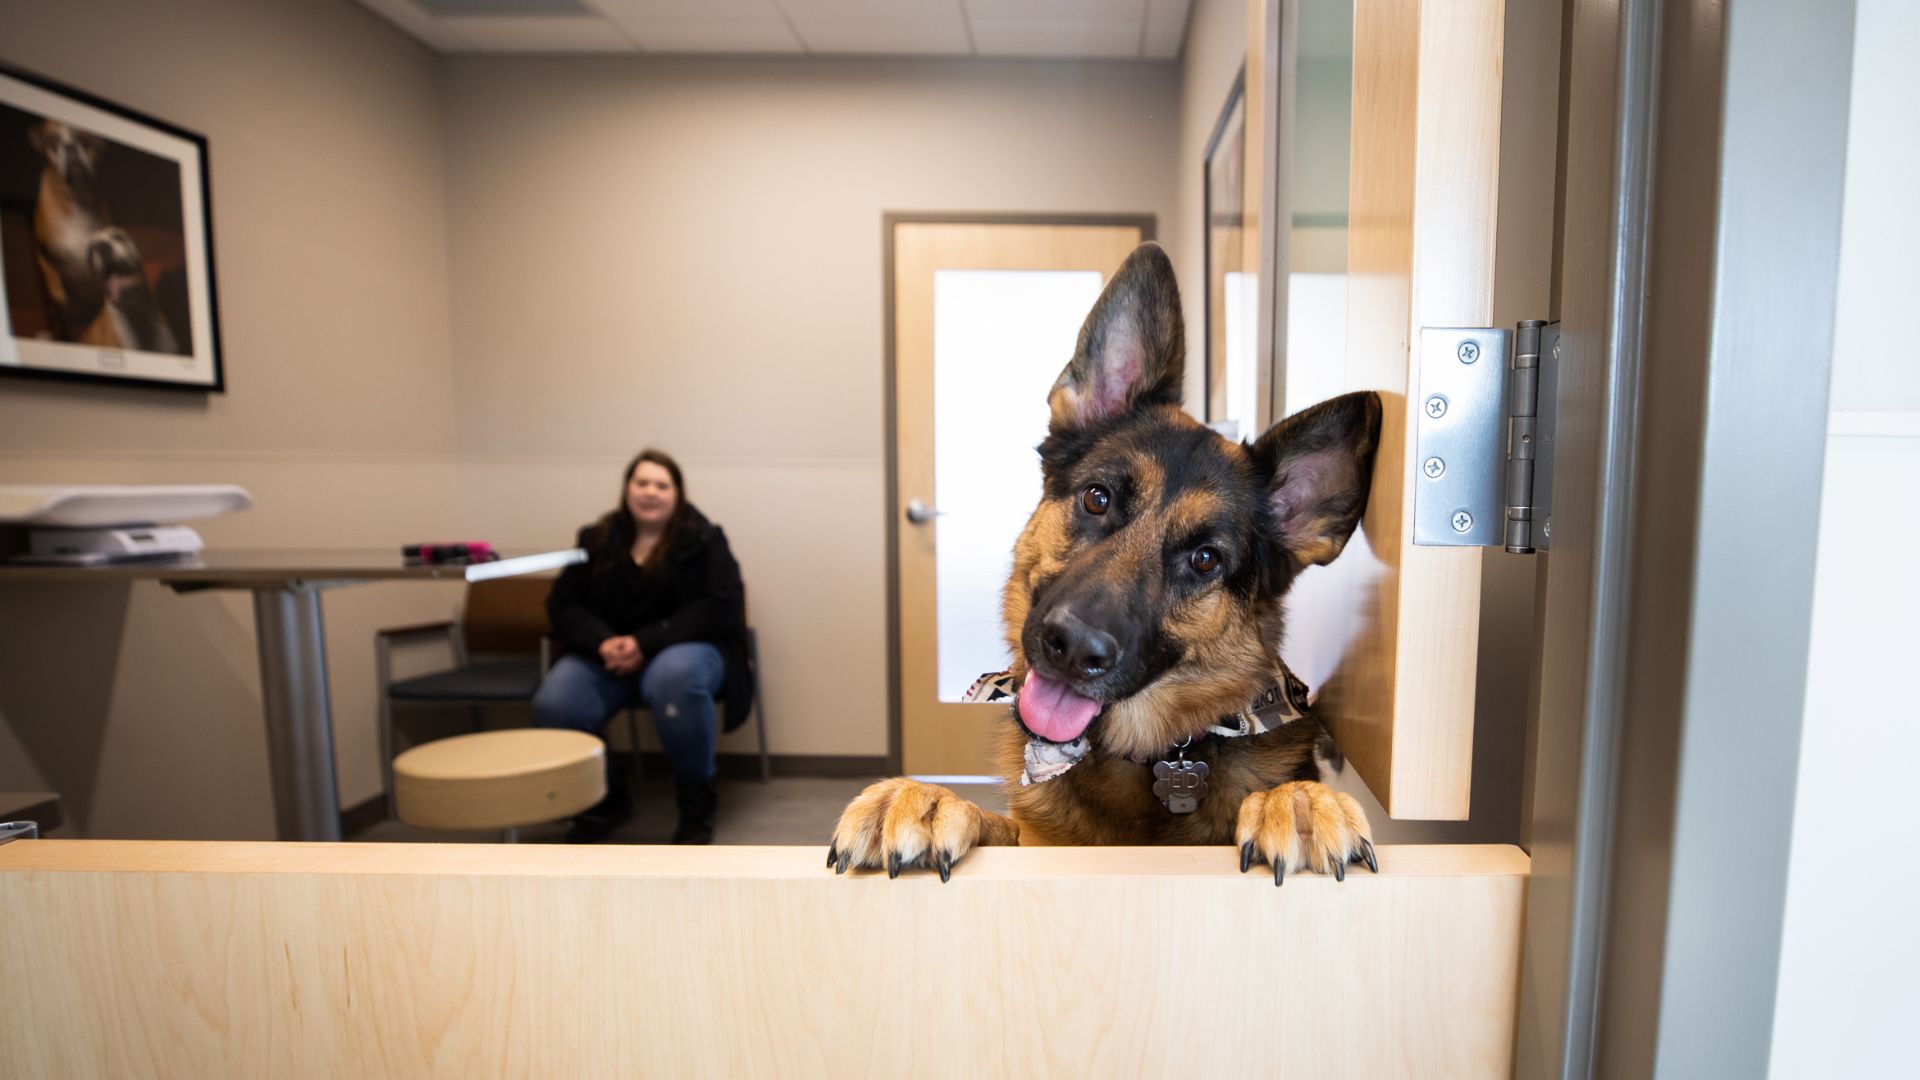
{"x": 1080, "y": 650}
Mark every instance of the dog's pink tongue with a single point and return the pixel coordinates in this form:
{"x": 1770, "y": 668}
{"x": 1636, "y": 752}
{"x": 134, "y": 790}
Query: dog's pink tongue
{"x": 1052, "y": 711}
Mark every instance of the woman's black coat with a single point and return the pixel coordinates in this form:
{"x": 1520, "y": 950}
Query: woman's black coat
{"x": 696, "y": 596}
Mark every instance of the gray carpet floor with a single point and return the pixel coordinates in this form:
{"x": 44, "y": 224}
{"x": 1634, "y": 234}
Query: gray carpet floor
{"x": 788, "y": 810}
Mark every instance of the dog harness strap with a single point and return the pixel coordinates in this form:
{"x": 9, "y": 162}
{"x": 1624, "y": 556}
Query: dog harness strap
{"x": 1282, "y": 702}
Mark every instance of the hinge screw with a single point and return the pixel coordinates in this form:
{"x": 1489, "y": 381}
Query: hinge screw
{"x": 1436, "y": 406}
{"x": 1546, "y": 529}
{"x": 1462, "y": 521}
{"x": 1433, "y": 467}
{"x": 1469, "y": 351}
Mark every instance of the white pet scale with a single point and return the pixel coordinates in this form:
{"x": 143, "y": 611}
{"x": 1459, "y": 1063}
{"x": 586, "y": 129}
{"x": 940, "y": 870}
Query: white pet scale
{"x": 95, "y": 524}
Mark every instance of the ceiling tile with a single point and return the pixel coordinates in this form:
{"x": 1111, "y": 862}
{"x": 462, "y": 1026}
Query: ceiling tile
{"x": 932, "y": 10}
{"x": 712, "y": 35}
{"x": 1062, "y": 28}
{"x": 623, "y": 11}
{"x": 456, "y": 8}
{"x": 529, "y": 34}
{"x": 992, "y": 37}
{"x": 907, "y": 37}
{"x": 1111, "y": 11}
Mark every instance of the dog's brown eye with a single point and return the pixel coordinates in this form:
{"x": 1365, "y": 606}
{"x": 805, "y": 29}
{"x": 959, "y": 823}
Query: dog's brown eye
{"x": 1205, "y": 560}
{"x": 1096, "y": 499}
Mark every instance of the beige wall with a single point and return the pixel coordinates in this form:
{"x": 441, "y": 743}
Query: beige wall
{"x": 324, "y": 131}
{"x": 687, "y": 253}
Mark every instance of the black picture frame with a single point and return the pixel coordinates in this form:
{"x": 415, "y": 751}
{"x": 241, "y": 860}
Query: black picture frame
{"x": 106, "y": 243}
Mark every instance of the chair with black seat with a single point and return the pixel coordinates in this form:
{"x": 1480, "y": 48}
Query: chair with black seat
{"x": 500, "y": 652}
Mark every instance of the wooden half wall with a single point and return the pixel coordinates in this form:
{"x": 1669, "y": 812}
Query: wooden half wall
{"x": 260, "y": 959}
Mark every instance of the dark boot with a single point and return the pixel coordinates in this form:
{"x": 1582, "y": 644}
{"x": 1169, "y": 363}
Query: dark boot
{"x": 598, "y": 821}
{"x": 697, "y": 801}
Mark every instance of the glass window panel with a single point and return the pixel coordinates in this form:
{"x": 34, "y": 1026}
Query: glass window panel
{"x": 1000, "y": 338}
{"x": 1240, "y": 291}
{"x": 1316, "y": 338}
{"x": 1317, "y": 184}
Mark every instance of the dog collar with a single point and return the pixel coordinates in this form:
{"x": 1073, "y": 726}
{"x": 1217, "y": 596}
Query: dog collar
{"x": 1284, "y": 701}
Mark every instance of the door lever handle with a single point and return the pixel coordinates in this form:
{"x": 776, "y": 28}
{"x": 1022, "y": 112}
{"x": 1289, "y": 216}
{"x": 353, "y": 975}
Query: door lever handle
{"x": 920, "y": 513}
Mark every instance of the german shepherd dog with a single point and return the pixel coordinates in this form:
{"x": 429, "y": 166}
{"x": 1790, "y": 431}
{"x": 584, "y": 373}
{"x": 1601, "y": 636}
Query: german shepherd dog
{"x": 1144, "y": 612}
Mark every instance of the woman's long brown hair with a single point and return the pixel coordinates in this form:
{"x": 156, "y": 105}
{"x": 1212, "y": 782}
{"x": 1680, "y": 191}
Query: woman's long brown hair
{"x": 614, "y": 534}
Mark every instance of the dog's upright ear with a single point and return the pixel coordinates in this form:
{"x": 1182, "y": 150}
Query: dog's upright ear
{"x": 1132, "y": 349}
{"x": 1320, "y": 465}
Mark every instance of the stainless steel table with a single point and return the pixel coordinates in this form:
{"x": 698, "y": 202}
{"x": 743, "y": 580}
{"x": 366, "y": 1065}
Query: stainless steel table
{"x": 286, "y": 588}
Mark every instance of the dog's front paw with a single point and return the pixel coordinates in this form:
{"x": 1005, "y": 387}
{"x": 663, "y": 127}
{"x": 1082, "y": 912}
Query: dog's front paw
{"x": 901, "y": 822}
{"x": 1304, "y": 825}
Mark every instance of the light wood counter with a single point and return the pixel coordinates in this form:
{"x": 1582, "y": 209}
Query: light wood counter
{"x": 255, "y": 959}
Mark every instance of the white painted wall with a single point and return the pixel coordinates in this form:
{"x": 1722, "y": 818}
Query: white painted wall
{"x": 1848, "y": 997}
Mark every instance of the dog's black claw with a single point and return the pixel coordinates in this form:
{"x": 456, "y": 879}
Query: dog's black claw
{"x": 1246, "y": 856}
{"x": 893, "y": 865}
{"x": 943, "y": 862}
{"x": 846, "y": 857}
{"x": 1339, "y": 870}
{"x": 1366, "y": 852}
{"x": 1279, "y": 869}
{"x": 833, "y": 855}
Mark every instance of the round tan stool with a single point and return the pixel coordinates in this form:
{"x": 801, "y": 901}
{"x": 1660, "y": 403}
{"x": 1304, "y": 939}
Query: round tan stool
{"x": 499, "y": 779}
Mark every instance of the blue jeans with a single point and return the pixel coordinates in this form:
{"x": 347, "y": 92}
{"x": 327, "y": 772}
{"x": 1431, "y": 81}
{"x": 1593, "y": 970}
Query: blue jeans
{"x": 677, "y": 685}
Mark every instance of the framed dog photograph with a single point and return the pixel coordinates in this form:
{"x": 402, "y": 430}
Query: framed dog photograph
{"x": 107, "y": 242}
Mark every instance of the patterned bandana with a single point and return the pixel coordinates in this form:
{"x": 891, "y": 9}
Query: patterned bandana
{"x": 1281, "y": 703}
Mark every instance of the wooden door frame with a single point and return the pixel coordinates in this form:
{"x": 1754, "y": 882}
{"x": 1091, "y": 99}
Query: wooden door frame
{"x": 1144, "y": 222}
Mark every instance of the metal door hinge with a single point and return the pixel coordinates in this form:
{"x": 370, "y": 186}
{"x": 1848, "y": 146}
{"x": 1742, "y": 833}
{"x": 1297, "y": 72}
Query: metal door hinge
{"x": 1484, "y": 437}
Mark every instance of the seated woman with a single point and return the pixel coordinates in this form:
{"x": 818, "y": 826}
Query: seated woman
{"x": 653, "y": 616}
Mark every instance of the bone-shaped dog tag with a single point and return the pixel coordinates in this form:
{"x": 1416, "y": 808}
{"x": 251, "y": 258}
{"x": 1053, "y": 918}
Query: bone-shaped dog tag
{"x": 1180, "y": 784}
